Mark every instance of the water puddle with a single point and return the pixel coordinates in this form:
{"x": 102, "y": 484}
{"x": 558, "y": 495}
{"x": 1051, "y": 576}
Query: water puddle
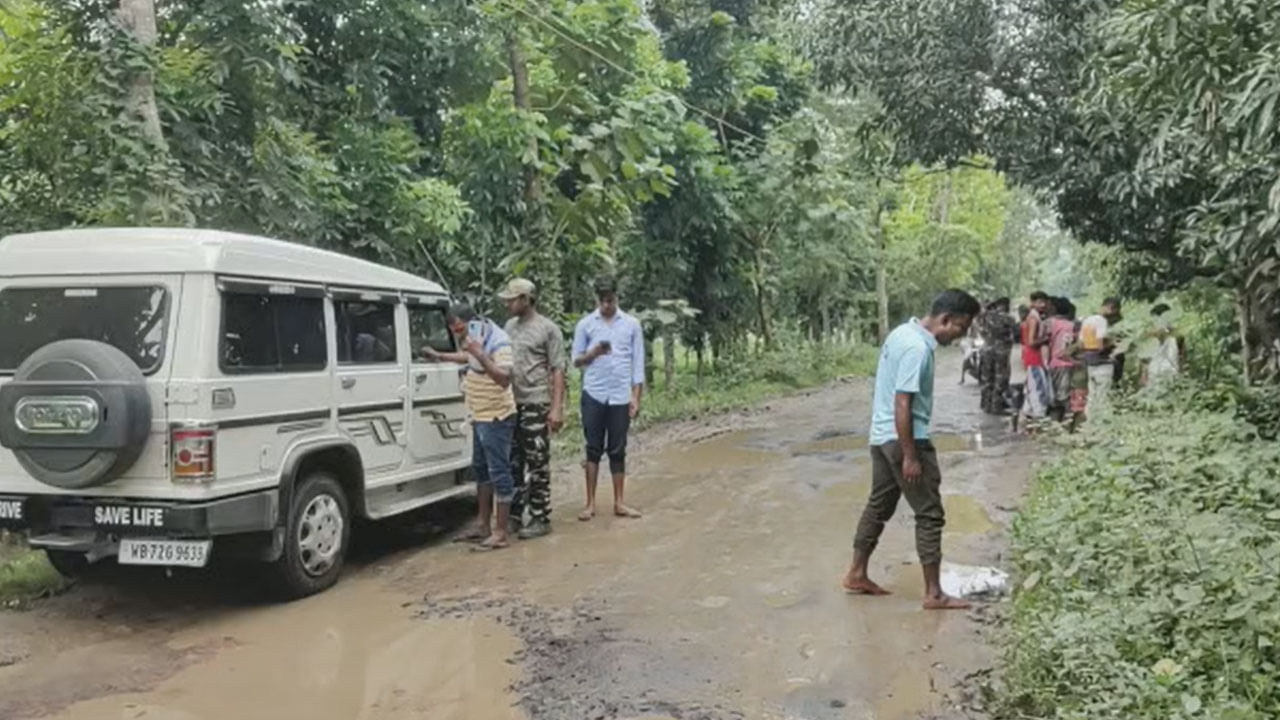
{"x": 953, "y": 442}
{"x": 730, "y": 450}
{"x": 846, "y": 492}
{"x": 835, "y": 444}
{"x": 350, "y": 654}
{"x": 965, "y": 515}
{"x": 907, "y": 697}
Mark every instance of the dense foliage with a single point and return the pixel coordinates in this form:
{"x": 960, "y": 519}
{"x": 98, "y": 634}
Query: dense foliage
{"x": 684, "y": 143}
{"x": 1148, "y": 554}
{"x": 1151, "y": 125}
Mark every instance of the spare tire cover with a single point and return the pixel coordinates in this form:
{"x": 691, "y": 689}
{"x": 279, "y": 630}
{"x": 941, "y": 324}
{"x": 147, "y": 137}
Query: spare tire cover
{"x": 76, "y": 414}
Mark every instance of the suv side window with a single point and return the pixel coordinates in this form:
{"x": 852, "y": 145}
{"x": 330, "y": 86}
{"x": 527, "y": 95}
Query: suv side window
{"x": 427, "y": 328}
{"x": 366, "y": 332}
{"x": 271, "y": 333}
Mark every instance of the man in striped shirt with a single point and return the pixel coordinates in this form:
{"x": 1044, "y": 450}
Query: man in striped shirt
{"x": 608, "y": 345}
{"x": 486, "y": 351}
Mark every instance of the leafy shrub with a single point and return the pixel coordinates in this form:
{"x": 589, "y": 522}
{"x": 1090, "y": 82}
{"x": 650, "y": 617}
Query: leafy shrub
{"x": 1149, "y": 553}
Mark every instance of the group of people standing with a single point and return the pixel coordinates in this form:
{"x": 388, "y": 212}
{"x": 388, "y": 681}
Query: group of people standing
{"x": 515, "y": 388}
{"x": 1070, "y": 364}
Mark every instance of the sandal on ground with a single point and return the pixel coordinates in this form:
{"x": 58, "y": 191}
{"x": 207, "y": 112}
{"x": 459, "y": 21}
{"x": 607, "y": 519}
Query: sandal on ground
{"x": 487, "y": 546}
{"x": 472, "y": 536}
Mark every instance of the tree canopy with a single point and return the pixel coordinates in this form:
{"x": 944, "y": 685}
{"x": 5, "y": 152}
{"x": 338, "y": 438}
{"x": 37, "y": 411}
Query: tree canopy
{"x": 788, "y": 170}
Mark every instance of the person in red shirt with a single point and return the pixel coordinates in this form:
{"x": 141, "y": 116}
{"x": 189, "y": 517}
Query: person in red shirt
{"x": 1062, "y": 333}
{"x": 1037, "y": 393}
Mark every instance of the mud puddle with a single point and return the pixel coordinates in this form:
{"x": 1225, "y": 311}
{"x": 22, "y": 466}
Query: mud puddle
{"x": 965, "y": 514}
{"x": 724, "y": 452}
{"x": 352, "y": 653}
{"x": 845, "y": 443}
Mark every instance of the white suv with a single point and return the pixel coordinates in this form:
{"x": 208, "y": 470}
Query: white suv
{"x": 166, "y": 394}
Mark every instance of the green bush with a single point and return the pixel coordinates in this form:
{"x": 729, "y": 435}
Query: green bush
{"x": 25, "y": 574}
{"x": 1149, "y": 558}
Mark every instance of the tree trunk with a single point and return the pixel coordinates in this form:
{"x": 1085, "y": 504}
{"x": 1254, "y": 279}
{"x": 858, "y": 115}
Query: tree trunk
{"x": 669, "y": 359}
{"x": 699, "y": 356}
{"x": 762, "y": 304}
{"x": 1246, "y": 348}
{"x": 139, "y": 19}
{"x": 545, "y": 257}
{"x": 882, "y": 279}
{"x": 944, "y": 201}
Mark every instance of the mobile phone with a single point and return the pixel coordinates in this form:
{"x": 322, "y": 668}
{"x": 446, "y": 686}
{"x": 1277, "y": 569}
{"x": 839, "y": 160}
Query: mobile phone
{"x": 606, "y": 345}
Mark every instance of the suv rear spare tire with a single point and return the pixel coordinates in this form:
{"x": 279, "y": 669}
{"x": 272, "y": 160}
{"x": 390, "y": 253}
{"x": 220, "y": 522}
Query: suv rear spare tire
{"x": 76, "y": 414}
{"x": 317, "y": 532}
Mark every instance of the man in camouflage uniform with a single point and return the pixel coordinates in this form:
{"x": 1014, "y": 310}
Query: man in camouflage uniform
{"x": 999, "y": 332}
{"x": 537, "y": 379}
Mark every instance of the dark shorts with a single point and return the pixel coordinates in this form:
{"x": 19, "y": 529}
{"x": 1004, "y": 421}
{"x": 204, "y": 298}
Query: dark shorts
{"x": 605, "y": 430}
{"x": 1060, "y": 378}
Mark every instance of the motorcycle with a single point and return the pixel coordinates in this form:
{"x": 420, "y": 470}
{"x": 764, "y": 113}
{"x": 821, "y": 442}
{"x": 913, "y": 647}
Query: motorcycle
{"x": 972, "y": 358}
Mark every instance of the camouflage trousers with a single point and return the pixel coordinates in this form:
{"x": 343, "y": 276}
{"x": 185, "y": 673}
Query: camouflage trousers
{"x": 531, "y": 463}
{"x": 993, "y": 372}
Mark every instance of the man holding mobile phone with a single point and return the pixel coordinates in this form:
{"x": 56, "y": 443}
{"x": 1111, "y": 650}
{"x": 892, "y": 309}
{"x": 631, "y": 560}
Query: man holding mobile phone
{"x": 608, "y": 345}
{"x": 486, "y": 351}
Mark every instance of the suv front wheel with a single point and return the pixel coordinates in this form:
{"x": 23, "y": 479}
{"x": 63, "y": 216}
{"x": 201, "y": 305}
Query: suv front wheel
{"x": 316, "y": 536}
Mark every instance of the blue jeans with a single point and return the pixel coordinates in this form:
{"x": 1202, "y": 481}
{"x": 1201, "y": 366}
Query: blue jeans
{"x": 491, "y": 456}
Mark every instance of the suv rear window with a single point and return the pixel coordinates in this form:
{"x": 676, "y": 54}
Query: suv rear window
{"x": 272, "y": 333}
{"x": 132, "y": 319}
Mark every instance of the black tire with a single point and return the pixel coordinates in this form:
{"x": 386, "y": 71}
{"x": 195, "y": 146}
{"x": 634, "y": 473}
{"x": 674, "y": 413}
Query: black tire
{"x": 295, "y": 574}
{"x": 70, "y": 565}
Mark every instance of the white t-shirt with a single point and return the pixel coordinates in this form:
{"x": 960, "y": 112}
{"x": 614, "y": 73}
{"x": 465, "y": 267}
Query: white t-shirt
{"x": 1093, "y": 331}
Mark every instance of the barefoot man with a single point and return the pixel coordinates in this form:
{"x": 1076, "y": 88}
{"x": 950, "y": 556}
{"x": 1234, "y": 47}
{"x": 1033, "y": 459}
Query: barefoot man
{"x": 486, "y": 353}
{"x": 608, "y": 345}
{"x": 903, "y": 460}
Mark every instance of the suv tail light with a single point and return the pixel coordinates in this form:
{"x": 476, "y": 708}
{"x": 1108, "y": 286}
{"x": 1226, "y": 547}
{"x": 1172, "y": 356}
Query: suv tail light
{"x": 192, "y": 451}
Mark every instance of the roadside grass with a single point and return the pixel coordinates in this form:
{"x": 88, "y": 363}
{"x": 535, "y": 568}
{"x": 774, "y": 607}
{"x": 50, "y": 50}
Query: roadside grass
{"x": 25, "y": 574}
{"x": 1147, "y": 554}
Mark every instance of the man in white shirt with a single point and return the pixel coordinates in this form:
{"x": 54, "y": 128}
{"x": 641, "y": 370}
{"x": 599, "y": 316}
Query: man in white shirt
{"x": 1097, "y": 342}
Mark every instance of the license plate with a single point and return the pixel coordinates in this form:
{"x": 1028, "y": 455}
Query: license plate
{"x": 182, "y": 553}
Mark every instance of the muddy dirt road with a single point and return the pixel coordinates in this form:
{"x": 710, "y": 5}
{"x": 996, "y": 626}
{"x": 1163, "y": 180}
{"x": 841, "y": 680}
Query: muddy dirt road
{"x": 723, "y": 602}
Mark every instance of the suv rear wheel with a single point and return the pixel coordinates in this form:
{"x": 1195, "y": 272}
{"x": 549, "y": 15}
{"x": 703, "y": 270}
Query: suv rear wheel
{"x": 317, "y": 532}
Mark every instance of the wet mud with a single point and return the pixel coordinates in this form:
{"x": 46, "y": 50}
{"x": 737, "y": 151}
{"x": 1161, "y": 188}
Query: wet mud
{"x": 723, "y": 602}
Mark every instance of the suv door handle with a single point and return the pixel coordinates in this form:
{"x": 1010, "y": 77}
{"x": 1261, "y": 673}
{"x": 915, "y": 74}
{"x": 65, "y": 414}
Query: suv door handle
{"x": 420, "y": 378}
{"x": 348, "y": 383}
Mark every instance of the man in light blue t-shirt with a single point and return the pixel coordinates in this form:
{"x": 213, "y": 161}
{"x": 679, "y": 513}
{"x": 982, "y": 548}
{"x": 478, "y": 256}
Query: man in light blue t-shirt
{"x": 903, "y": 460}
